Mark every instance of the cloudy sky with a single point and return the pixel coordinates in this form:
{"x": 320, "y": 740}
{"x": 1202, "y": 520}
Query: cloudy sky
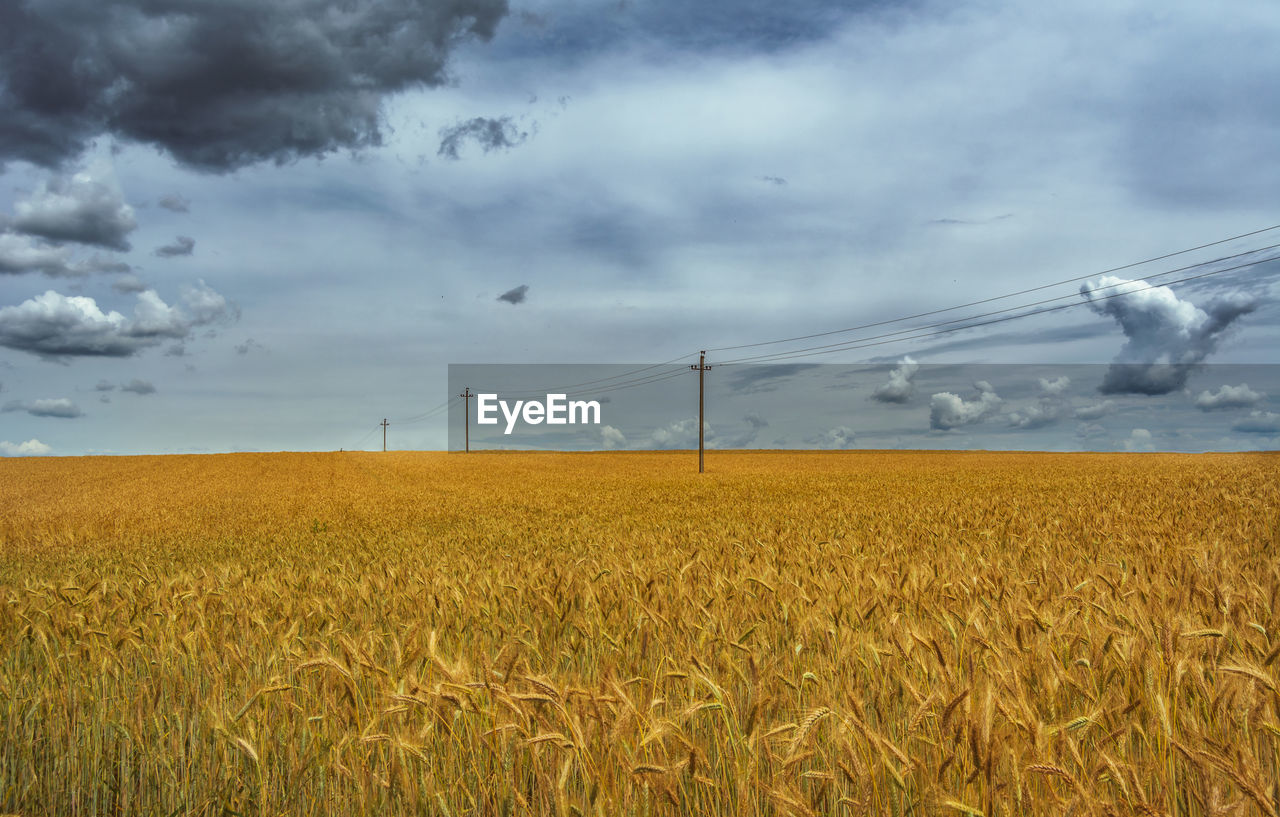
{"x": 232, "y": 225}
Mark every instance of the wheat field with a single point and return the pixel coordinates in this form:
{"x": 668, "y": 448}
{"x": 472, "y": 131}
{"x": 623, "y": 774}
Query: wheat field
{"x": 612, "y": 634}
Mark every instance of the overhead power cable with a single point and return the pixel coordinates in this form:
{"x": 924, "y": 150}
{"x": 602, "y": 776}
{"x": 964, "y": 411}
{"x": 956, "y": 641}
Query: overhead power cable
{"x": 933, "y": 312}
{"x": 971, "y": 323}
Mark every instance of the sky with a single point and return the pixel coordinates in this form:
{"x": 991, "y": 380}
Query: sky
{"x": 228, "y": 225}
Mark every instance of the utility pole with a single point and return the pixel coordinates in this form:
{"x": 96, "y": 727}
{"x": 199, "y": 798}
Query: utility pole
{"x": 466, "y": 416}
{"x": 700, "y": 368}
{"x": 384, "y": 433}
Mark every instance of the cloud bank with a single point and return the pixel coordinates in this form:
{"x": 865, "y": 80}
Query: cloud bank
{"x": 219, "y": 85}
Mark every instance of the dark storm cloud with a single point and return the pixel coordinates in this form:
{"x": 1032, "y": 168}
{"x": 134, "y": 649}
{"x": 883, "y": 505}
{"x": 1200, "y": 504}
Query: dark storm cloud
{"x": 175, "y": 203}
{"x": 219, "y": 85}
{"x": 515, "y": 296}
{"x": 60, "y": 407}
{"x": 182, "y": 245}
{"x": 77, "y": 208}
{"x": 1165, "y": 336}
{"x": 56, "y": 326}
{"x": 756, "y": 379}
{"x": 489, "y": 134}
{"x": 574, "y": 31}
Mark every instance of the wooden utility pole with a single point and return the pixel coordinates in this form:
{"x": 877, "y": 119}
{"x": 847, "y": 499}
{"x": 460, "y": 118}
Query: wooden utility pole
{"x": 466, "y": 416}
{"x": 384, "y": 433}
{"x": 700, "y": 368}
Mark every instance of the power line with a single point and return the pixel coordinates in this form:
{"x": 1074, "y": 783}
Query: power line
{"x": 428, "y": 414}
{"x": 893, "y": 337}
{"x": 1002, "y": 297}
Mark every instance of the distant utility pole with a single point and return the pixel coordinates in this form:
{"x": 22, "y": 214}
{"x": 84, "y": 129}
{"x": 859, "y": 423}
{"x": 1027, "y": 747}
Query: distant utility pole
{"x": 700, "y": 368}
{"x": 384, "y": 433}
{"x": 466, "y": 416}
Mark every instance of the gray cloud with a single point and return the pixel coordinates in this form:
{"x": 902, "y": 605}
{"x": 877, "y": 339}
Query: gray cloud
{"x": 77, "y": 208}
{"x": 1165, "y": 336}
{"x": 1259, "y": 422}
{"x": 1042, "y": 414}
{"x": 1229, "y": 397}
{"x": 175, "y": 203}
{"x": 1054, "y": 386}
{"x": 899, "y": 387}
{"x": 774, "y": 180}
{"x": 104, "y": 385}
{"x": 762, "y": 378}
{"x": 834, "y": 439}
{"x": 1094, "y": 411}
{"x": 948, "y": 410}
{"x": 182, "y": 245}
{"x": 57, "y": 326}
{"x": 129, "y": 285}
{"x": 249, "y": 346}
{"x": 754, "y": 420}
{"x": 139, "y": 387}
{"x": 60, "y": 407}
{"x": 1139, "y": 440}
{"x": 515, "y": 296}
{"x": 490, "y": 134}
{"x": 21, "y": 254}
{"x": 219, "y": 85}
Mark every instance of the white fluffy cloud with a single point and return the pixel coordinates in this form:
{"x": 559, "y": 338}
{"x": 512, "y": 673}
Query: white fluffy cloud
{"x": 1139, "y": 440}
{"x": 1055, "y": 386}
{"x": 947, "y": 410}
{"x": 834, "y": 439}
{"x": 899, "y": 388}
{"x": 680, "y": 434}
{"x": 30, "y": 448}
{"x": 1037, "y": 416}
{"x": 1228, "y": 397}
{"x": 55, "y": 325}
{"x": 611, "y": 438}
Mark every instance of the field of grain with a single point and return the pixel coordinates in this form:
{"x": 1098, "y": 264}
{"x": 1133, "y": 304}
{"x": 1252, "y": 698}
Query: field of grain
{"x": 611, "y": 634}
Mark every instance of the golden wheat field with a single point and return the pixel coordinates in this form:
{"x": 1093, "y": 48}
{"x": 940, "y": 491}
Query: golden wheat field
{"x": 612, "y": 634}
